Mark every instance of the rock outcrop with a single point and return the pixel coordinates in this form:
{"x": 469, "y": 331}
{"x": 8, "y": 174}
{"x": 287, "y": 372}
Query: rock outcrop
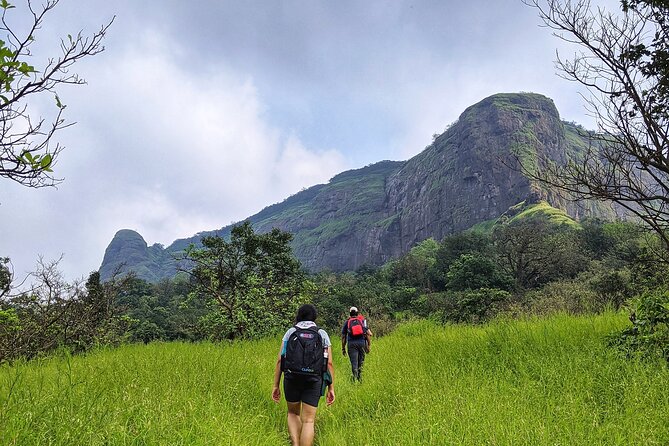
{"x": 468, "y": 175}
{"x": 128, "y": 251}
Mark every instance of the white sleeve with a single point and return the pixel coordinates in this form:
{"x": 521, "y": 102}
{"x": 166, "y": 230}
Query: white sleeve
{"x": 326, "y": 338}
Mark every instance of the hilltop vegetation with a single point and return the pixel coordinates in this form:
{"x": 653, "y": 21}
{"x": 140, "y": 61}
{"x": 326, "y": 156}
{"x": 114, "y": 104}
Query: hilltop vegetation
{"x": 534, "y": 382}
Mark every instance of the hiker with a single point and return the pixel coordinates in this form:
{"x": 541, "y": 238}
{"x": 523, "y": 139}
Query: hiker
{"x": 305, "y": 360}
{"x": 356, "y": 333}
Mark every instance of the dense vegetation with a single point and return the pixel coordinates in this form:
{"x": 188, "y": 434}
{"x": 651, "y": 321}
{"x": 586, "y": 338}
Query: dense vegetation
{"x": 532, "y": 382}
{"x": 534, "y": 260}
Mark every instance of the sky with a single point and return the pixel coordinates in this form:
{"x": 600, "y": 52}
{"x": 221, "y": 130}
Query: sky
{"x": 199, "y": 114}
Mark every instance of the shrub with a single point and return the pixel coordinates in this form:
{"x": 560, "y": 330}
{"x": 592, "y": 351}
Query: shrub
{"x": 476, "y": 306}
{"x": 649, "y": 334}
{"x": 612, "y": 287}
{"x": 430, "y": 304}
{"x": 569, "y": 296}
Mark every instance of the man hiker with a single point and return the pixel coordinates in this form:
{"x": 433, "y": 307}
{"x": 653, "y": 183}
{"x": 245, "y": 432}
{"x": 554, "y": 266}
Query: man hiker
{"x": 305, "y": 360}
{"x": 356, "y": 333}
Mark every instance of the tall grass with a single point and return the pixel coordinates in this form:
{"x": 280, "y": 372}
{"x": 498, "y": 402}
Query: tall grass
{"x": 535, "y": 382}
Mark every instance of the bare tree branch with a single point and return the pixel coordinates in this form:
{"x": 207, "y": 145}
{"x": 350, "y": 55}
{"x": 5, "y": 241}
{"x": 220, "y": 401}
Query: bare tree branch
{"x": 27, "y": 153}
{"x": 620, "y": 62}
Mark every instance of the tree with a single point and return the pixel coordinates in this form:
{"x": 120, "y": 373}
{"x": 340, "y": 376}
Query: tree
{"x": 474, "y": 271}
{"x": 253, "y": 281}
{"x": 412, "y": 269}
{"x": 535, "y": 252}
{"x": 624, "y": 64}
{"x": 5, "y": 276}
{"x": 27, "y": 152}
{"x": 452, "y": 247}
{"x": 54, "y": 313}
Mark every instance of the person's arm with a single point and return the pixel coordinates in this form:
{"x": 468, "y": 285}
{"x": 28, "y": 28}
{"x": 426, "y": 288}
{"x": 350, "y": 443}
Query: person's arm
{"x": 276, "y": 390}
{"x": 343, "y": 340}
{"x": 330, "y": 397}
{"x": 368, "y": 340}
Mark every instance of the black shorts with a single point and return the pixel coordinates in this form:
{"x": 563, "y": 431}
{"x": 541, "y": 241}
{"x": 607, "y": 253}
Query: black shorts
{"x": 302, "y": 388}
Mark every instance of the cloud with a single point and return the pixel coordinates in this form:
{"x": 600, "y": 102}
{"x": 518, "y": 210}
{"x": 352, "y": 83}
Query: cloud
{"x": 167, "y": 150}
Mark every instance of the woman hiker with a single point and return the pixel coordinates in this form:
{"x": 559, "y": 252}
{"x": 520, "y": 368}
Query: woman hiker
{"x": 305, "y": 359}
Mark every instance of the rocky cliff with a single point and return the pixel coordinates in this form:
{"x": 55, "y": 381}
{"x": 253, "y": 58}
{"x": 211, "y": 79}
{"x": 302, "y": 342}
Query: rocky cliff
{"x": 468, "y": 175}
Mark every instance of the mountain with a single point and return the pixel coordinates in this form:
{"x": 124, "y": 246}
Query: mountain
{"x": 376, "y": 213}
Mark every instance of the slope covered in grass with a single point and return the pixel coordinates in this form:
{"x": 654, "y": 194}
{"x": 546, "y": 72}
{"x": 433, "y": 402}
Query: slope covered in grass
{"x": 539, "y": 382}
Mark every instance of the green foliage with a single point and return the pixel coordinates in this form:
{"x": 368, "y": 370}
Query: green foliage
{"x": 534, "y": 252}
{"x": 452, "y": 247}
{"x": 649, "y": 265}
{"x": 162, "y": 311}
{"x": 475, "y": 306}
{"x": 613, "y": 287}
{"x": 253, "y": 282}
{"x": 564, "y": 296}
{"x": 474, "y": 271}
{"x": 5, "y": 276}
{"x": 649, "y": 334}
{"x": 11, "y": 68}
{"x": 466, "y": 306}
{"x": 55, "y": 314}
{"x": 9, "y": 324}
{"x": 413, "y": 269}
{"x": 544, "y": 211}
{"x": 372, "y": 293}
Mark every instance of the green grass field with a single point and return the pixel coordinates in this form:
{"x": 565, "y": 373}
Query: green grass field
{"x": 538, "y": 382}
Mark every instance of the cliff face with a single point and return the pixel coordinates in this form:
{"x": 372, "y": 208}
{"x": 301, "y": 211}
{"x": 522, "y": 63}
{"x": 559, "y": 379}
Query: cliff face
{"x": 469, "y": 174}
{"x": 370, "y": 215}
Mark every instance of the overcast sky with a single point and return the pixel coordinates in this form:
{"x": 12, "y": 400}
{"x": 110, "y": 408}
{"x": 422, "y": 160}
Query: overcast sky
{"x": 201, "y": 113}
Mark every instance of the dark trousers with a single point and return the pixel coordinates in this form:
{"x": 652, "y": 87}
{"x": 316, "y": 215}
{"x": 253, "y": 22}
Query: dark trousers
{"x": 356, "y": 353}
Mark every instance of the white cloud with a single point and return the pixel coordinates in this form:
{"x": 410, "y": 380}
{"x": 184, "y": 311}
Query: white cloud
{"x": 167, "y": 150}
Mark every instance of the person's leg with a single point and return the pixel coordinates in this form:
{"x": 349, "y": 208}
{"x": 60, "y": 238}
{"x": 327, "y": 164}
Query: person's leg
{"x": 361, "y": 361}
{"x": 294, "y": 422}
{"x": 308, "y": 417}
{"x": 353, "y": 356}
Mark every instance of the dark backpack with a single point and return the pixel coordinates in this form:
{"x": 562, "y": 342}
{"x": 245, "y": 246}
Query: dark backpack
{"x": 356, "y": 327}
{"x": 304, "y": 353}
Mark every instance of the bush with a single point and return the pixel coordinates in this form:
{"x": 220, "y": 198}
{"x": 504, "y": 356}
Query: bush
{"x": 429, "y": 304}
{"x": 475, "y": 271}
{"x": 382, "y": 325}
{"x": 470, "y": 306}
{"x": 572, "y": 297}
{"x": 649, "y": 334}
{"x": 612, "y": 287}
{"x": 476, "y": 306}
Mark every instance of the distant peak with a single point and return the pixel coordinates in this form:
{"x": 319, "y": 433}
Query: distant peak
{"x": 127, "y": 233}
{"x": 517, "y": 101}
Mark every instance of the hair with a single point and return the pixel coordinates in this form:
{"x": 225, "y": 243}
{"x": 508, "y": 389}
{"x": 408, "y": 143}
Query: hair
{"x": 354, "y": 313}
{"x": 306, "y": 312}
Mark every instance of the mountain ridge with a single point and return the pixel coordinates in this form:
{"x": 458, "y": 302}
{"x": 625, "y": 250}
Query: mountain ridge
{"x": 378, "y": 212}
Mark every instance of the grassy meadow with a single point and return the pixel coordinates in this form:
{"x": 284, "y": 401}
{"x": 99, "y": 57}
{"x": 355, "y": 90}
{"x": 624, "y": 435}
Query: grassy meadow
{"x": 535, "y": 382}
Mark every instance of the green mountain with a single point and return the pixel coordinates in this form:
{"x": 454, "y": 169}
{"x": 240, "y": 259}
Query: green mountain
{"x": 467, "y": 176}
